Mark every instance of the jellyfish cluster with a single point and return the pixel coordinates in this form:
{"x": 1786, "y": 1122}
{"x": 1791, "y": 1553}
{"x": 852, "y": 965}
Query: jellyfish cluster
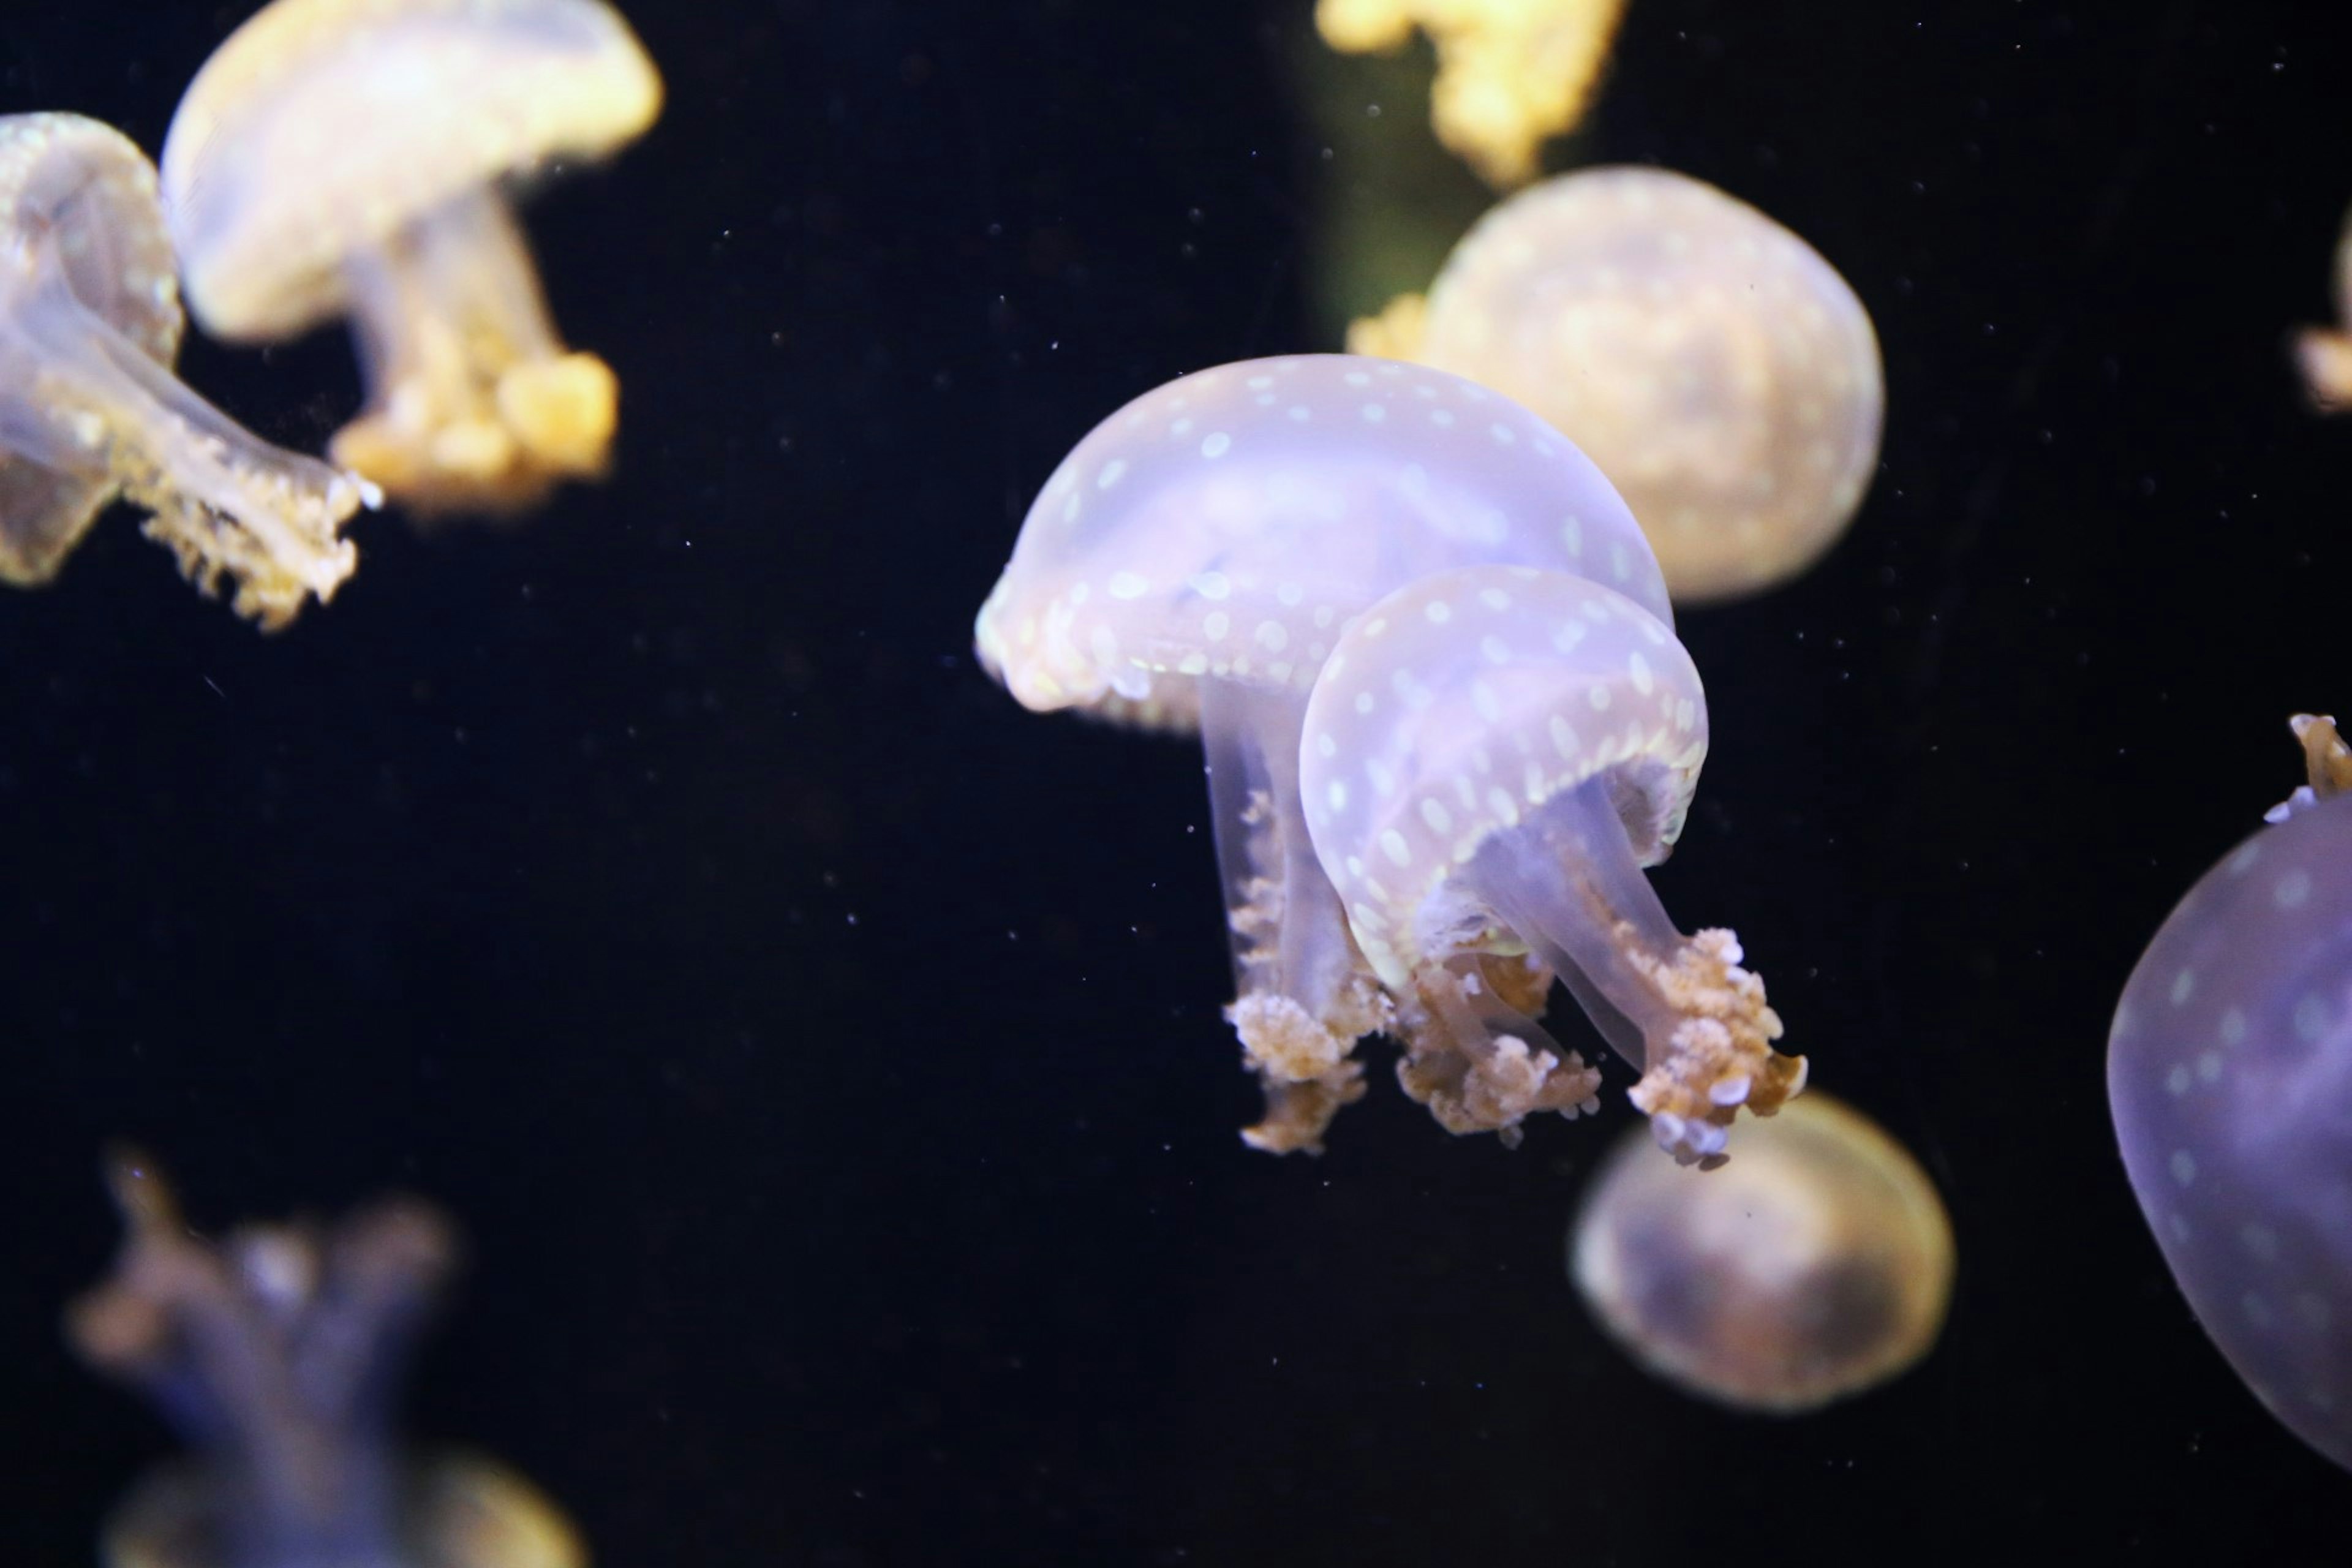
{"x": 333, "y": 159}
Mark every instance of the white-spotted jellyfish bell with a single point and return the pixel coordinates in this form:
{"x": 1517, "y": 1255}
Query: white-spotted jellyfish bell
{"x": 1815, "y": 1266}
{"x": 1191, "y": 564}
{"x": 2230, "y": 1074}
{"x": 1490, "y": 758}
{"x": 1722, "y": 373}
{"x": 358, "y": 158}
{"x": 90, "y": 410}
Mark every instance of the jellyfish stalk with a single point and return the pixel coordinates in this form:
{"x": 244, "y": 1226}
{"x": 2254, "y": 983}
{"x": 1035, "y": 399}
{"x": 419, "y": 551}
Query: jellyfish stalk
{"x": 1679, "y": 1008}
{"x": 473, "y": 385}
{"x": 99, "y": 406}
{"x": 1302, "y": 994}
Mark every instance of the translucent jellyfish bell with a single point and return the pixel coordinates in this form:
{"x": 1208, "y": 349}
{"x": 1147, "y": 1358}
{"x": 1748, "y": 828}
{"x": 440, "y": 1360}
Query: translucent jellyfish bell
{"x": 2324, "y": 354}
{"x": 1717, "y": 368}
{"x": 345, "y": 157}
{"x": 279, "y": 1351}
{"x": 1815, "y": 1266}
{"x": 1490, "y": 757}
{"x": 90, "y": 324}
{"x": 2230, "y": 1074}
{"x": 1190, "y": 565}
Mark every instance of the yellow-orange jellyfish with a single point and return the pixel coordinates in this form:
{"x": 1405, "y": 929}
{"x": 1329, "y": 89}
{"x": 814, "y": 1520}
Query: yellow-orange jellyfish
{"x": 90, "y": 324}
{"x": 345, "y": 157}
{"x": 1720, "y": 371}
{"x": 278, "y": 1352}
{"x": 1816, "y": 1265}
{"x": 2324, "y": 354}
{"x": 1510, "y": 73}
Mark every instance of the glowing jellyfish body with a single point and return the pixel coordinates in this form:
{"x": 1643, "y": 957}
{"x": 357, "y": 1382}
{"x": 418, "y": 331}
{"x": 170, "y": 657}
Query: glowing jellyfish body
{"x": 1510, "y": 73}
{"x": 1816, "y": 1265}
{"x": 343, "y": 157}
{"x": 1721, "y": 373}
{"x": 1490, "y": 757}
{"x": 2324, "y": 354}
{"x": 1191, "y": 564}
{"x": 90, "y": 324}
{"x": 279, "y": 1352}
{"x": 2230, "y": 1074}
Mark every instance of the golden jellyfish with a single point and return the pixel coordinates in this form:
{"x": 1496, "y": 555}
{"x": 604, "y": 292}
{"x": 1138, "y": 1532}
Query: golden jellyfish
{"x": 1815, "y": 1266}
{"x": 1722, "y": 373}
{"x": 1491, "y": 756}
{"x": 349, "y": 158}
{"x": 1510, "y": 73}
{"x": 278, "y": 1352}
{"x": 90, "y": 410}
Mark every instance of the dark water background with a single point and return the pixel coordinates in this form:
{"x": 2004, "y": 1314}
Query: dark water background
{"x": 824, "y": 1054}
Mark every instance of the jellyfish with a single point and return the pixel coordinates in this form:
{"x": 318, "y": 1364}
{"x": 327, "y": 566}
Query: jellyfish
{"x": 346, "y": 158}
{"x": 1190, "y": 564}
{"x": 1491, "y": 755}
{"x": 1719, "y": 371}
{"x": 1510, "y": 73}
{"x": 90, "y": 410}
{"x": 2324, "y": 354}
{"x": 1818, "y": 1265}
{"x": 278, "y": 1352}
{"x": 2230, "y": 1074}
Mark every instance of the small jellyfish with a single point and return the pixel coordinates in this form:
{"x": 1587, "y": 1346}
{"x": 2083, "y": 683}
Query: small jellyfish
{"x": 1510, "y": 73}
{"x": 1723, "y": 375}
{"x": 2324, "y": 354}
{"x": 1190, "y": 564}
{"x": 345, "y": 158}
{"x": 1818, "y": 1265}
{"x": 1490, "y": 757}
{"x": 2230, "y": 1074}
{"x": 90, "y": 324}
{"x": 278, "y": 1352}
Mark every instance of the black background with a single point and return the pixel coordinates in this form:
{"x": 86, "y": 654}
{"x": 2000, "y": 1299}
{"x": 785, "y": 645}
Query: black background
{"x": 823, "y": 1053}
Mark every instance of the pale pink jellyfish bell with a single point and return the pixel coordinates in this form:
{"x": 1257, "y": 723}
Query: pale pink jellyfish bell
{"x": 1490, "y": 758}
{"x": 90, "y": 410}
{"x": 357, "y": 158}
{"x": 1191, "y": 564}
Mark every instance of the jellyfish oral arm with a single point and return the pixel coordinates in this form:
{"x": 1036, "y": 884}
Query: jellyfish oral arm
{"x": 225, "y": 502}
{"x": 468, "y": 383}
{"x": 1678, "y": 1008}
{"x": 1301, "y": 994}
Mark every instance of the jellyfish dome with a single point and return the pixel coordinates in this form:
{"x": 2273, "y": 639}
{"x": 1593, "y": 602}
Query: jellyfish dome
{"x": 2230, "y": 1074}
{"x": 1722, "y": 373}
{"x": 1190, "y": 565}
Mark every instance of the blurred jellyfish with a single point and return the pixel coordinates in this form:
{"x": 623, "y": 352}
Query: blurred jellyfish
{"x": 2229, "y": 1073}
{"x": 90, "y": 324}
{"x": 1510, "y": 73}
{"x": 345, "y": 157}
{"x": 2324, "y": 354}
{"x": 1188, "y": 567}
{"x": 1722, "y": 373}
{"x": 1490, "y": 757}
{"x": 279, "y": 1352}
{"x": 1817, "y": 1265}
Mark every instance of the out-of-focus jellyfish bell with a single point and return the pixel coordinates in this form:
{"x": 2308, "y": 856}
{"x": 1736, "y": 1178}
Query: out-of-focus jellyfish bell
{"x": 2324, "y": 354}
{"x": 90, "y": 324}
{"x": 1720, "y": 371}
{"x": 1817, "y": 1265}
{"x": 1490, "y": 757}
{"x": 343, "y": 157}
{"x": 1190, "y": 565}
{"x": 1510, "y": 73}
{"x": 279, "y": 1352}
{"x": 2230, "y": 1074}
